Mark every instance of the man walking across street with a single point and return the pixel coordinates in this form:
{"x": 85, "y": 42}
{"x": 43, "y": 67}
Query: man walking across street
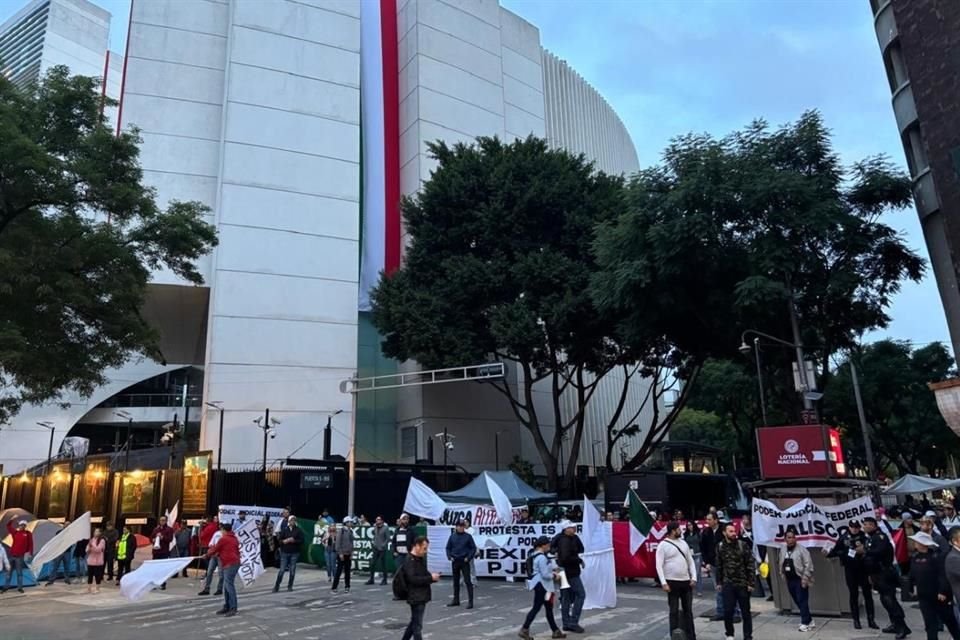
{"x": 797, "y": 569}
{"x": 344, "y": 547}
{"x": 460, "y": 551}
{"x": 418, "y": 583}
{"x": 289, "y": 553}
{"x": 735, "y": 575}
{"x": 678, "y": 576}
{"x": 879, "y": 564}
{"x": 569, "y": 548}
{"x": 933, "y": 590}
{"x": 381, "y": 538}
{"x": 851, "y": 549}
{"x": 21, "y": 549}
{"x": 227, "y": 552}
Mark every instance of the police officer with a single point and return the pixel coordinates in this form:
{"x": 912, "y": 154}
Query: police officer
{"x": 878, "y": 561}
{"x": 851, "y": 549}
{"x": 933, "y": 590}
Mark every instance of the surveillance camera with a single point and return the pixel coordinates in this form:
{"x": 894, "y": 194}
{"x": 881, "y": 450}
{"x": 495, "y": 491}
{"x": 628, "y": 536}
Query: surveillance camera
{"x": 450, "y": 446}
{"x": 273, "y": 433}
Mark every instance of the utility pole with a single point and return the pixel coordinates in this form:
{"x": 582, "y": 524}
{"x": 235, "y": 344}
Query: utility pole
{"x": 48, "y": 425}
{"x": 266, "y": 428}
{"x": 801, "y": 359}
{"x": 763, "y": 398}
{"x": 129, "y": 418}
{"x": 864, "y": 427}
{"x": 446, "y": 446}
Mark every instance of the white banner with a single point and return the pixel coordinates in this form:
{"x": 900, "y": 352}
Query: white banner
{"x": 816, "y": 525}
{"x": 150, "y": 574}
{"x": 172, "y": 516}
{"x": 501, "y": 549}
{"x": 251, "y": 564}
{"x": 70, "y": 535}
{"x": 500, "y": 500}
{"x": 599, "y": 574}
{"x": 228, "y": 513}
{"x": 475, "y": 514}
{"x": 423, "y": 502}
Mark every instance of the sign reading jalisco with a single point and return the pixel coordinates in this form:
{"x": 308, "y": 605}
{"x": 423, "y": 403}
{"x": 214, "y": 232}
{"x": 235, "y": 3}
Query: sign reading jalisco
{"x": 803, "y": 451}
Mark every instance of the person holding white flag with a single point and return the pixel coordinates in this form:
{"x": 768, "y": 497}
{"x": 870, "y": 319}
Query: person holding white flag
{"x": 227, "y": 552}
{"x": 162, "y": 537}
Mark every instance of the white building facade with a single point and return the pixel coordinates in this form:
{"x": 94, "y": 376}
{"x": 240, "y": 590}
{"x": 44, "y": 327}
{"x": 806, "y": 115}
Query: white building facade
{"x": 254, "y": 108}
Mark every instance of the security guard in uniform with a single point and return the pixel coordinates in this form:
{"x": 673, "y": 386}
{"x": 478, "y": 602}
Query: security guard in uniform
{"x": 878, "y": 560}
{"x": 851, "y": 548}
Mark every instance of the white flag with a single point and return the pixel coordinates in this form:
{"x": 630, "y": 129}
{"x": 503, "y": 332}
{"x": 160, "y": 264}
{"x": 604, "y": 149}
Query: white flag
{"x": 599, "y": 574}
{"x": 150, "y": 574}
{"x": 70, "y": 535}
{"x": 423, "y": 501}
{"x": 251, "y": 563}
{"x": 172, "y": 520}
{"x": 500, "y": 500}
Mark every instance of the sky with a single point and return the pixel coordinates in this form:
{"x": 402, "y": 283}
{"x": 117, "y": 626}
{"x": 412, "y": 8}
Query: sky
{"x": 669, "y": 67}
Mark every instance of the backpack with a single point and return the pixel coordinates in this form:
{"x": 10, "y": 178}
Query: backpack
{"x": 528, "y": 569}
{"x": 400, "y": 589}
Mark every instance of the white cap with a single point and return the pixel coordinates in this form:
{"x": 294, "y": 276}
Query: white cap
{"x": 930, "y": 514}
{"x": 924, "y": 538}
{"x": 22, "y": 523}
{"x": 566, "y": 524}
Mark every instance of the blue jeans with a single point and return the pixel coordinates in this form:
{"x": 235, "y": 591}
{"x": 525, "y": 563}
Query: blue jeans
{"x": 571, "y": 602}
{"x": 287, "y": 561}
{"x": 81, "y": 566}
{"x": 64, "y": 561}
{"x": 330, "y": 556}
{"x": 229, "y": 575}
{"x": 16, "y": 565}
{"x": 801, "y": 596}
{"x": 211, "y": 567}
{"x": 698, "y": 562}
{"x": 415, "y": 627}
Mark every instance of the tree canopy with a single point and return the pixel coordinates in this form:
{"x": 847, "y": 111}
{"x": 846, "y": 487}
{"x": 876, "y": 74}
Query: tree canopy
{"x": 79, "y": 236}
{"x": 726, "y": 233}
{"x": 499, "y": 266}
{"x": 907, "y": 431}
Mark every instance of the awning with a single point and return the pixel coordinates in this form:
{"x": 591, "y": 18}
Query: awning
{"x": 920, "y": 484}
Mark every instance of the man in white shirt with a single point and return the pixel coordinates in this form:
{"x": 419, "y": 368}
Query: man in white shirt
{"x": 678, "y": 576}
{"x": 950, "y": 517}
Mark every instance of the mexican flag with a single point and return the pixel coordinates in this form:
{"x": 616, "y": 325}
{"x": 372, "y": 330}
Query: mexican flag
{"x": 640, "y": 520}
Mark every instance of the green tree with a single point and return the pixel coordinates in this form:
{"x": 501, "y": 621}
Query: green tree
{"x": 730, "y": 234}
{"x": 906, "y": 428}
{"x": 499, "y": 266}
{"x": 79, "y": 235}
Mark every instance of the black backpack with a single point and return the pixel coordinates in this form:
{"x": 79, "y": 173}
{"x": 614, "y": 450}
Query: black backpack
{"x": 400, "y": 589}
{"x": 528, "y": 564}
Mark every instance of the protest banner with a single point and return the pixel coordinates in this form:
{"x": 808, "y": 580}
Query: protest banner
{"x": 228, "y": 513}
{"x": 475, "y": 514}
{"x": 816, "y": 525}
{"x": 503, "y": 557}
{"x": 251, "y": 564}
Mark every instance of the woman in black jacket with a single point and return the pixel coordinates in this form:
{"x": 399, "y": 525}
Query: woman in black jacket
{"x": 418, "y": 581}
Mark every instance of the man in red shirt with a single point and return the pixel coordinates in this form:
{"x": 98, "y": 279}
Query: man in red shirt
{"x": 21, "y": 548}
{"x": 227, "y": 552}
{"x": 162, "y": 538}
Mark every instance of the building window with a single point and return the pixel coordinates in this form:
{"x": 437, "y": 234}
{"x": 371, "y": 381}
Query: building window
{"x": 916, "y": 150}
{"x": 408, "y": 442}
{"x": 895, "y": 66}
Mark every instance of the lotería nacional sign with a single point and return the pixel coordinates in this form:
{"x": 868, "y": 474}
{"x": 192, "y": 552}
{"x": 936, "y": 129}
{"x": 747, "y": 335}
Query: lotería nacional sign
{"x": 802, "y": 451}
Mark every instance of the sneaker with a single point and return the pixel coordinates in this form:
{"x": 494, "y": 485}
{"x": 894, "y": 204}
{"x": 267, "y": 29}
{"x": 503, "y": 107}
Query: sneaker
{"x": 347, "y": 590}
{"x": 218, "y": 592}
{"x": 454, "y": 604}
{"x": 334, "y": 590}
{"x": 812, "y": 624}
{"x": 275, "y": 589}
{"x": 222, "y": 611}
{"x": 368, "y": 582}
{"x": 729, "y": 637}
{"x": 205, "y": 592}
{"x": 558, "y": 634}
{"x": 525, "y": 634}
{"x": 230, "y": 614}
{"x": 20, "y": 590}
{"x": 576, "y": 629}
{"x": 804, "y": 628}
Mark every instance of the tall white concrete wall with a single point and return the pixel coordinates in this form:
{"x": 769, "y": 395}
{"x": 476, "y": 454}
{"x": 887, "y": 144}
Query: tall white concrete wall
{"x": 580, "y": 120}
{"x": 253, "y": 108}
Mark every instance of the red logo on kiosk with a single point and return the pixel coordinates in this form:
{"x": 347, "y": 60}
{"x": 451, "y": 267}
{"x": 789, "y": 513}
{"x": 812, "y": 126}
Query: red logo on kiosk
{"x": 802, "y": 451}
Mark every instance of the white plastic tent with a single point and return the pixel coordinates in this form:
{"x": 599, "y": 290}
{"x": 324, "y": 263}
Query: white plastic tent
{"x": 920, "y": 484}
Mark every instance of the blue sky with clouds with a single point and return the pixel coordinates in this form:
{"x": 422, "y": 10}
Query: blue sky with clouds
{"x": 673, "y": 66}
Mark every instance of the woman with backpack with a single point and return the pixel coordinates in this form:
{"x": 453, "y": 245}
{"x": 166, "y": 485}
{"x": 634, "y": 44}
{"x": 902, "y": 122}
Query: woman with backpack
{"x": 542, "y": 581}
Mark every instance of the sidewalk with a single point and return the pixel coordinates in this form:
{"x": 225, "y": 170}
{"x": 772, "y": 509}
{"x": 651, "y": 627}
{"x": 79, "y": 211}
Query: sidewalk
{"x": 769, "y": 624}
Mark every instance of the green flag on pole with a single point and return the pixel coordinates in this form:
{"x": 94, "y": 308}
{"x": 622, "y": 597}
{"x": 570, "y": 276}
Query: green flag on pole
{"x": 640, "y": 520}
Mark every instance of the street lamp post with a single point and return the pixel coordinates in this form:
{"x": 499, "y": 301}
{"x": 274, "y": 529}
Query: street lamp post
{"x": 129, "y": 418}
{"x": 48, "y": 425}
{"x": 328, "y": 433}
{"x": 266, "y": 424}
{"x": 218, "y": 405}
{"x": 864, "y": 427}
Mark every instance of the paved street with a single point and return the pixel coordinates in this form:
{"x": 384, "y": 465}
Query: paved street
{"x": 311, "y": 612}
